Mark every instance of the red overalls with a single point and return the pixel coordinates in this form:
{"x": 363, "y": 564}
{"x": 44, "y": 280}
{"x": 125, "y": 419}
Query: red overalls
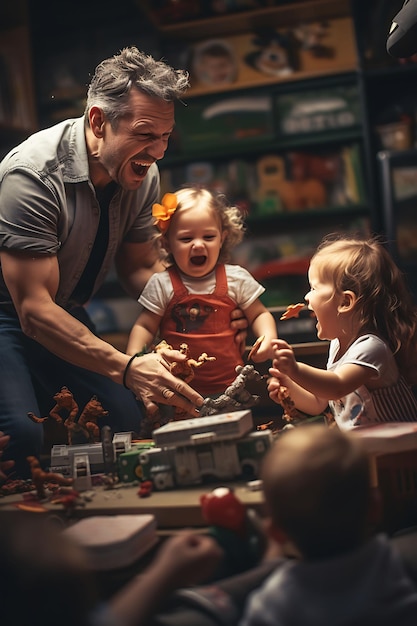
{"x": 202, "y": 321}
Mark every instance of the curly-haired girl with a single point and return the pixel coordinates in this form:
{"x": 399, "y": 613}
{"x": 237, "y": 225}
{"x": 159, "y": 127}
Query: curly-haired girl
{"x": 192, "y": 300}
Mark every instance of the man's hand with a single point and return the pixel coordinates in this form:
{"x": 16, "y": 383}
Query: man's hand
{"x": 240, "y": 324}
{"x": 151, "y": 380}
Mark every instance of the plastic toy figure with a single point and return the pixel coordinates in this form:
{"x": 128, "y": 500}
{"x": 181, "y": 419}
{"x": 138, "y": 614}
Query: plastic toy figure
{"x": 40, "y": 478}
{"x": 86, "y": 423}
{"x": 185, "y": 369}
{"x": 235, "y": 528}
{"x": 236, "y": 396}
{"x": 64, "y": 400}
{"x": 292, "y": 310}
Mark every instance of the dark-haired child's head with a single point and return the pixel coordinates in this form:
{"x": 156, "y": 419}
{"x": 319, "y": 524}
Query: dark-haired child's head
{"x": 317, "y": 490}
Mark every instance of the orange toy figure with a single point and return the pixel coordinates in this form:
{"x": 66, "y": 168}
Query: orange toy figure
{"x": 64, "y": 400}
{"x": 256, "y": 347}
{"x": 40, "y": 478}
{"x": 293, "y": 310}
{"x": 284, "y": 399}
{"x": 87, "y": 422}
{"x": 185, "y": 369}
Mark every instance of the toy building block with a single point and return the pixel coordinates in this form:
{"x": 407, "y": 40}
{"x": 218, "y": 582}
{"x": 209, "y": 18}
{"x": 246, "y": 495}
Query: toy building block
{"x": 81, "y": 472}
{"x": 122, "y": 442}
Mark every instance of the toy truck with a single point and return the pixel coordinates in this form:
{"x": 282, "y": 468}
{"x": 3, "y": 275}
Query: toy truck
{"x": 190, "y": 452}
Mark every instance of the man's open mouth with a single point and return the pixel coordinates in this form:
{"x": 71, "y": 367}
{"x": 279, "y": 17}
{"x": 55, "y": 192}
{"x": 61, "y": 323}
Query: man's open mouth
{"x": 139, "y": 168}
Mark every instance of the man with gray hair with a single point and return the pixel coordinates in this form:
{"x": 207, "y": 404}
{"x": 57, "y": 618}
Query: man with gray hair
{"x": 76, "y": 199}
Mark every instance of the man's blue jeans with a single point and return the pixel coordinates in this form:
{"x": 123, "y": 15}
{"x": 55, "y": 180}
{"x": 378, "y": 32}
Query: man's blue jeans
{"x": 29, "y": 378}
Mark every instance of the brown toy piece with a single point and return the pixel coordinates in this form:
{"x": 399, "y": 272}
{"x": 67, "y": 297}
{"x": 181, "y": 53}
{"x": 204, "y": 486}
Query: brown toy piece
{"x": 293, "y": 310}
{"x": 185, "y": 369}
{"x": 40, "y": 478}
{"x": 284, "y": 399}
{"x": 87, "y": 422}
{"x": 255, "y": 347}
{"x": 64, "y": 400}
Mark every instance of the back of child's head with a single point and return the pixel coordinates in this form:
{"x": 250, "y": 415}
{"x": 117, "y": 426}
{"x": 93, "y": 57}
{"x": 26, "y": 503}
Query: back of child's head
{"x": 317, "y": 490}
{"x": 230, "y": 218}
{"x": 384, "y": 303}
{"x": 44, "y": 577}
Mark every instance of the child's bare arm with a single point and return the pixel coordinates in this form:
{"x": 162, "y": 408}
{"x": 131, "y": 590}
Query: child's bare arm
{"x": 185, "y": 559}
{"x": 143, "y": 331}
{"x": 304, "y": 400}
{"x": 322, "y": 383}
{"x": 263, "y": 325}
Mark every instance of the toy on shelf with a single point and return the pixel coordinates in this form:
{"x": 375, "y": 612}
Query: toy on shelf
{"x": 237, "y": 530}
{"x": 273, "y": 55}
{"x": 290, "y": 195}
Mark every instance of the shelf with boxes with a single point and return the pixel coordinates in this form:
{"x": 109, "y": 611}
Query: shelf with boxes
{"x": 17, "y": 98}
{"x": 274, "y": 121}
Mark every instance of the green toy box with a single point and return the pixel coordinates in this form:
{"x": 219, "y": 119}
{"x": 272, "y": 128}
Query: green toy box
{"x": 128, "y": 467}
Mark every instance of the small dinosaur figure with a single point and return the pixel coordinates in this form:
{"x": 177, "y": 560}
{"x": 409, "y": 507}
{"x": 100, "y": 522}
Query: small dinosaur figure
{"x": 236, "y": 397}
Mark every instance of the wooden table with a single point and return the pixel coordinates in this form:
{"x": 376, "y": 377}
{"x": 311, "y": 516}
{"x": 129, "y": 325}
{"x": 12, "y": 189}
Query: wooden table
{"x": 172, "y": 509}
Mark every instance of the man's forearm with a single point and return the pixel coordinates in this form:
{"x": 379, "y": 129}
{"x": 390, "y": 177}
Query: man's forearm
{"x": 66, "y": 337}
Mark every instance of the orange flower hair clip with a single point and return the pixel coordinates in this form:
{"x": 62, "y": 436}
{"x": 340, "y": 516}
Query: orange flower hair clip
{"x": 163, "y": 212}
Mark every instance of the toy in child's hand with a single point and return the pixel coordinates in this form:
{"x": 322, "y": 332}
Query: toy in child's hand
{"x": 236, "y": 396}
{"x": 285, "y": 400}
{"x": 256, "y": 347}
{"x": 293, "y": 310}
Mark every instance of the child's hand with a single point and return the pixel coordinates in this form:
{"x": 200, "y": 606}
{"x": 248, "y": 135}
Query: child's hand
{"x": 276, "y": 383}
{"x": 188, "y": 558}
{"x": 284, "y": 358}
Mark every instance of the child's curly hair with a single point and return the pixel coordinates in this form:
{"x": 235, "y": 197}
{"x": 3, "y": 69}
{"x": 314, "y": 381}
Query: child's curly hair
{"x": 231, "y": 217}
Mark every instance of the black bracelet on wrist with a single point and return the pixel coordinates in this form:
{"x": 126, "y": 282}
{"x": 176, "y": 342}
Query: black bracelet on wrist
{"x": 129, "y": 363}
